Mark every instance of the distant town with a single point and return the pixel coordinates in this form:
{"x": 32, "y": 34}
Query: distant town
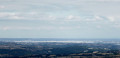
{"x": 60, "y": 49}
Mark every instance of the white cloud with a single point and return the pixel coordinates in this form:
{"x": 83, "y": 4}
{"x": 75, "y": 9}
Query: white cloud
{"x": 98, "y": 26}
{"x": 51, "y": 17}
{"x": 5, "y": 28}
{"x": 110, "y": 18}
{"x": 60, "y": 10}
{"x": 103, "y": 0}
{"x": 70, "y": 17}
{"x": 65, "y": 28}
{"x": 27, "y": 28}
{"x": 9, "y": 15}
{"x": 116, "y": 26}
{"x": 15, "y": 17}
{"x": 98, "y": 18}
{"x": 26, "y": 16}
{"x": 5, "y": 14}
{"x": 2, "y": 7}
{"x": 14, "y": 28}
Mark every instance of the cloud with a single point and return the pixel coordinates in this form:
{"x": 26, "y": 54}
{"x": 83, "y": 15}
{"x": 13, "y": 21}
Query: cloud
{"x": 103, "y": 0}
{"x": 14, "y": 28}
{"x": 2, "y": 7}
{"x": 25, "y": 16}
{"x": 9, "y": 15}
{"x": 55, "y": 10}
{"x": 112, "y": 19}
{"x": 65, "y": 28}
{"x": 61, "y": 11}
{"x": 98, "y": 18}
{"x": 70, "y": 17}
{"x": 5, "y": 14}
{"x": 116, "y": 26}
{"x": 98, "y": 26}
{"x": 87, "y": 18}
{"x": 5, "y": 28}
{"x": 27, "y": 28}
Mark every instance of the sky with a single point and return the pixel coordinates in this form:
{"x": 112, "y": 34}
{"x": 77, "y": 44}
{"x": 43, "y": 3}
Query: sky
{"x": 59, "y": 18}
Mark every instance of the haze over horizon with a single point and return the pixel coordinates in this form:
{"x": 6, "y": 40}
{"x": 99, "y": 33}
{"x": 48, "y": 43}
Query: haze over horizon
{"x": 60, "y": 19}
